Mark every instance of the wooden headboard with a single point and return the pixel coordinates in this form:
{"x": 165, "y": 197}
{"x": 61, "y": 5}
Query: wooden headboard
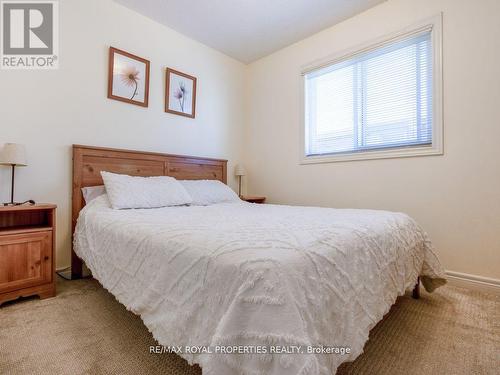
{"x": 89, "y": 161}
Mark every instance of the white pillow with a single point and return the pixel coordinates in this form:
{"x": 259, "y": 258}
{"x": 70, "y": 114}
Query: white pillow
{"x": 143, "y": 192}
{"x": 206, "y": 192}
{"x": 92, "y": 192}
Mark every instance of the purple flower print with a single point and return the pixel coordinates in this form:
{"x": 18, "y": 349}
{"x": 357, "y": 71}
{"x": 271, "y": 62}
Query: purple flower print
{"x": 180, "y": 94}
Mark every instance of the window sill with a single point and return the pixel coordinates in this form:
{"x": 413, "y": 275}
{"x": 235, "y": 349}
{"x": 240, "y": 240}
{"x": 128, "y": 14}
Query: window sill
{"x": 372, "y": 155}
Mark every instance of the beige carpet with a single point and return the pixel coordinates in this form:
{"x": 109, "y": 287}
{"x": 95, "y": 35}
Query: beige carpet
{"x": 85, "y": 331}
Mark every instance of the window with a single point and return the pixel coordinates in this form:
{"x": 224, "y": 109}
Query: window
{"x": 377, "y": 103}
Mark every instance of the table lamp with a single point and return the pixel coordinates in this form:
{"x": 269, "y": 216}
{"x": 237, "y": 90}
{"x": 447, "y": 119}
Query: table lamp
{"x": 13, "y": 154}
{"x": 239, "y": 171}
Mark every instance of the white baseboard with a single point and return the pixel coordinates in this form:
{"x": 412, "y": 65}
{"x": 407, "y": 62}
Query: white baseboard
{"x": 474, "y": 282}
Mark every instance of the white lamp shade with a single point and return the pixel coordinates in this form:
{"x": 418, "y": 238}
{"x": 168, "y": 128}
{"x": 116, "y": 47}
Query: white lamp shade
{"x": 13, "y": 154}
{"x": 239, "y": 170}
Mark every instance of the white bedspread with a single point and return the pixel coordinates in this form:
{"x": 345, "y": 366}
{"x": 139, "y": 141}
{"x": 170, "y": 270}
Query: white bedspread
{"x": 245, "y": 274}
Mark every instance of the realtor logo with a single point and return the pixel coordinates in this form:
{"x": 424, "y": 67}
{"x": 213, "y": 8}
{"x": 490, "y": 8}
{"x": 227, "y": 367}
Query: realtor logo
{"x": 29, "y": 35}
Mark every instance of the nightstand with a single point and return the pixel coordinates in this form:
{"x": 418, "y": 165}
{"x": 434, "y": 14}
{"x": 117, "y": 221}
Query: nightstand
{"x": 251, "y": 199}
{"x": 27, "y": 251}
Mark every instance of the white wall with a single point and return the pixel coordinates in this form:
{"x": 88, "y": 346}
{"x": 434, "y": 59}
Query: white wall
{"x": 455, "y": 197}
{"x": 50, "y": 110}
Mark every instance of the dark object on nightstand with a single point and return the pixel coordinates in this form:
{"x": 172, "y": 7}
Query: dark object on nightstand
{"x": 251, "y": 199}
{"x": 27, "y": 251}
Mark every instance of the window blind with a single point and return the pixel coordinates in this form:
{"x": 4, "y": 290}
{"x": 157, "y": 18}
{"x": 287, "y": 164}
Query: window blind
{"x": 374, "y": 100}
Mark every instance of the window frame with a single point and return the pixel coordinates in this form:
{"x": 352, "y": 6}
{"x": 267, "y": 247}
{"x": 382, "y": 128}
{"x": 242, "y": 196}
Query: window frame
{"x": 434, "y": 24}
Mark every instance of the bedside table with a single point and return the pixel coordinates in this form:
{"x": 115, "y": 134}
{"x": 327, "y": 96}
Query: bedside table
{"x": 27, "y": 251}
{"x": 251, "y": 199}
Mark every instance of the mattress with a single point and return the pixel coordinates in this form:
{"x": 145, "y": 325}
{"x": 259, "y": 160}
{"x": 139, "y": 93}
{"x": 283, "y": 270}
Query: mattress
{"x": 311, "y": 281}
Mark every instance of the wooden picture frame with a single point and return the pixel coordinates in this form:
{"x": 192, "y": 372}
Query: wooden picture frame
{"x": 180, "y": 87}
{"x": 128, "y": 77}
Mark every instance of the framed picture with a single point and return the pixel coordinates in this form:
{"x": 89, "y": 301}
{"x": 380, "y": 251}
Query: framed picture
{"x": 128, "y": 77}
{"x": 180, "y": 93}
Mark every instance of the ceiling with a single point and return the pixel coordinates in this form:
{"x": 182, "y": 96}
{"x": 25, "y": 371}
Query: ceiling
{"x": 248, "y": 29}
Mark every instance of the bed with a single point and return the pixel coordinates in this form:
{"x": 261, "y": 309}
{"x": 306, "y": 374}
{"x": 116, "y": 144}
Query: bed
{"x": 246, "y": 278}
